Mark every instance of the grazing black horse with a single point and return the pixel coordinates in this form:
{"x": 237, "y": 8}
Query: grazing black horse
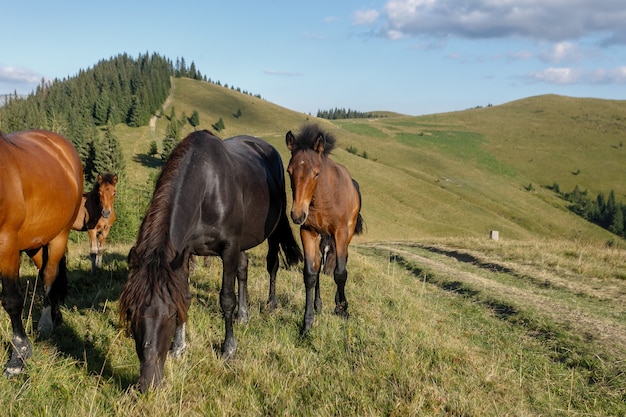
{"x": 216, "y": 198}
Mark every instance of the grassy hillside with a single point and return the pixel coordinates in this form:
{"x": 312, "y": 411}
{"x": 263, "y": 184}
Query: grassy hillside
{"x": 444, "y": 321}
{"x": 456, "y": 174}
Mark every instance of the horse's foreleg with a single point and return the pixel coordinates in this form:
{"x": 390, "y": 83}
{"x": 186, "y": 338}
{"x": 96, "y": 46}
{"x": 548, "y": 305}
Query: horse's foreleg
{"x": 341, "y": 276}
{"x": 242, "y": 286}
{"x": 228, "y": 300}
{"x": 311, "y": 276}
{"x": 93, "y": 249}
{"x": 13, "y": 304}
{"x": 102, "y": 237}
{"x": 178, "y": 344}
{"x": 272, "y": 268}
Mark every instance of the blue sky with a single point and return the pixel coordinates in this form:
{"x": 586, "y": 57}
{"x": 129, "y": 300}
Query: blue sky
{"x": 410, "y": 56}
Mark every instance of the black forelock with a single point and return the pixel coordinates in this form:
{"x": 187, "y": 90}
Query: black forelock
{"x": 305, "y": 138}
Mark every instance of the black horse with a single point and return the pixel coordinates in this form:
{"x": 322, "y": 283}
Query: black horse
{"x": 213, "y": 198}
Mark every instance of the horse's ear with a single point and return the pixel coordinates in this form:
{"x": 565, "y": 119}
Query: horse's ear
{"x": 100, "y": 178}
{"x": 131, "y": 257}
{"x": 114, "y": 179}
{"x": 319, "y": 143}
{"x": 290, "y": 140}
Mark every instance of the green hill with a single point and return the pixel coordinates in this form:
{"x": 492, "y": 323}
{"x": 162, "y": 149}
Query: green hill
{"x": 457, "y": 174}
{"x": 443, "y": 321}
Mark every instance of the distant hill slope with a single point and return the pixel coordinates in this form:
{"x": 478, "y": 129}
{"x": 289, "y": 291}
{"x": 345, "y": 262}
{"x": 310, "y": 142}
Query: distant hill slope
{"x": 454, "y": 174}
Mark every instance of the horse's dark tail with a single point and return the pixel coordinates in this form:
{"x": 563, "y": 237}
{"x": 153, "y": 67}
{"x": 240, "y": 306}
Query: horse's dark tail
{"x": 287, "y": 241}
{"x": 358, "y": 229}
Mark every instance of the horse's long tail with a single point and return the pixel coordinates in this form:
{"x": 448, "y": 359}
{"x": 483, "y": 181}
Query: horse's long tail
{"x": 358, "y": 229}
{"x": 287, "y": 241}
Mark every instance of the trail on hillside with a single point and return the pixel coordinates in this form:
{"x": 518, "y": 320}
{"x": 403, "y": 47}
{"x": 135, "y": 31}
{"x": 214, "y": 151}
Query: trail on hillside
{"x": 507, "y": 300}
{"x": 166, "y": 104}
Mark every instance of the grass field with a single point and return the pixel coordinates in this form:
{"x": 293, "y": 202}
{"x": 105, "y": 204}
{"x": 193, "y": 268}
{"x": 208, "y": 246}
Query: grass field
{"x": 437, "y": 328}
{"x": 444, "y": 321}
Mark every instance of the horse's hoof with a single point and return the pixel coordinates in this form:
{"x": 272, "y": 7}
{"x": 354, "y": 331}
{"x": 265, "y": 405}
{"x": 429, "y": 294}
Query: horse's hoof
{"x": 13, "y": 369}
{"x": 243, "y": 317}
{"x": 45, "y": 323}
{"x": 228, "y": 350}
{"x": 271, "y": 306}
{"x": 177, "y": 351}
{"x": 341, "y": 311}
{"x": 22, "y": 350}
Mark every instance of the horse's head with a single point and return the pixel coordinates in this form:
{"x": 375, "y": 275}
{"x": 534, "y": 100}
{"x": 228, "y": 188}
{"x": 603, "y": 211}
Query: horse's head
{"x": 304, "y": 169}
{"x": 152, "y": 314}
{"x": 107, "y": 185}
{"x": 153, "y": 331}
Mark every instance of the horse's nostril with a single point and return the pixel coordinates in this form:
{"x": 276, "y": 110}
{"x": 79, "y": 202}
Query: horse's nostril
{"x": 298, "y": 219}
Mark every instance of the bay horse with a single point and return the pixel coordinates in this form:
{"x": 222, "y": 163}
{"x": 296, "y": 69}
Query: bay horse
{"x": 97, "y": 215}
{"x": 327, "y": 206}
{"x": 41, "y": 184}
{"x": 212, "y": 198}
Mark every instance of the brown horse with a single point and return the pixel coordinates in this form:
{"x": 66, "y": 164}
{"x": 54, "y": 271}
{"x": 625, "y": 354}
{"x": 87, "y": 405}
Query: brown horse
{"x": 41, "y": 184}
{"x": 327, "y": 205}
{"x": 97, "y": 215}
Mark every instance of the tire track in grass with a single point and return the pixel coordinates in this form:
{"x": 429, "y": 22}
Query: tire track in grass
{"x": 577, "y": 337}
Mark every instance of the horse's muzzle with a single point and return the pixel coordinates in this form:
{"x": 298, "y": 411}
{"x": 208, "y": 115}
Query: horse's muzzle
{"x": 298, "y": 218}
{"x": 106, "y": 213}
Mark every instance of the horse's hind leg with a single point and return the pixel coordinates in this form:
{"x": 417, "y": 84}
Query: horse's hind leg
{"x": 243, "y": 314}
{"x": 272, "y": 263}
{"x": 52, "y": 268}
{"x": 228, "y": 299}
{"x": 13, "y": 304}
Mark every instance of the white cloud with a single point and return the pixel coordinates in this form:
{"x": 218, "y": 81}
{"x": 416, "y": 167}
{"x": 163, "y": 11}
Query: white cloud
{"x": 521, "y": 55}
{"x": 18, "y": 75}
{"x": 562, "y": 52}
{"x": 365, "y": 17}
{"x": 283, "y": 73}
{"x": 546, "y": 20}
{"x": 569, "y": 76}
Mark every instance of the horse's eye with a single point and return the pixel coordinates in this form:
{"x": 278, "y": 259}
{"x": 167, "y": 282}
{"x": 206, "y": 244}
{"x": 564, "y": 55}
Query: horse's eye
{"x": 316, "y": 174}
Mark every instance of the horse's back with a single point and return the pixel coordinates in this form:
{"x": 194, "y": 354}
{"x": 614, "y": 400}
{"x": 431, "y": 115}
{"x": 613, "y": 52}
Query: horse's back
{"x": 235, "y": 184}
{"x": 42, "y": 186}
{"x": 263, "y": 185}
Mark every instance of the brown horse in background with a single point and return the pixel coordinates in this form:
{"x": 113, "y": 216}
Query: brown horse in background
{"x": 97, "y": 215}
{"x": 41, "y": 184}
{"x": 327, "y": 206}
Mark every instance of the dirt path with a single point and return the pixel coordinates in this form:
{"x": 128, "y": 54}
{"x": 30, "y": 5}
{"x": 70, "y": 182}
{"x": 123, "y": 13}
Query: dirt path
{"x": 608, "y": 335}
{"x": 166, "y": 104}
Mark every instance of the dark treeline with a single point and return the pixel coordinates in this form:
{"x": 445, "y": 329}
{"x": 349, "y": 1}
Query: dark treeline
{"x": 606, "y": 212}
{"x": 337, "y": 113}
{"x": 85, "y": 108}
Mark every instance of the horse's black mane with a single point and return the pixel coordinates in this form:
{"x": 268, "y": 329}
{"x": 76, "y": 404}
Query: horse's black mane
{"x": 150, "y": 260}
{"x": 307, "y": 136}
